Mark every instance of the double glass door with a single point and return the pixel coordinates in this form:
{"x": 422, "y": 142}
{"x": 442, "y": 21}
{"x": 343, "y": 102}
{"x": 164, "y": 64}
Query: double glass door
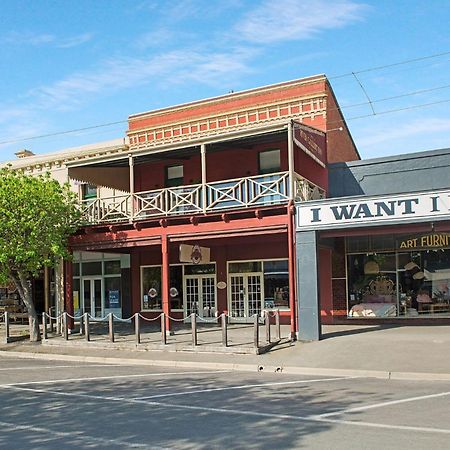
{"x": 93, "y": 302}
{"x": 200, "y": 295}
{"x": 245, "y": 294}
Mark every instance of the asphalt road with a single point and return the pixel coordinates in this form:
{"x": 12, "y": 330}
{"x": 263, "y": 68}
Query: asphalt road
{"x": 59, "y": 405}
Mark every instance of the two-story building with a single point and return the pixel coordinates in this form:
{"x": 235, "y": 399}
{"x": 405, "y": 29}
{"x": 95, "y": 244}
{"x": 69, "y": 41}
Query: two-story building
{"x": 199, "y": 211}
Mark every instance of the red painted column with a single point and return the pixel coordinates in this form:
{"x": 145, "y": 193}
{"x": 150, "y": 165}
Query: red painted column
{"x": 165, "y": 279}
{"x": 136, "y": 300}
{"x": 68, "y": 291}
{"x": 292, "y": 269}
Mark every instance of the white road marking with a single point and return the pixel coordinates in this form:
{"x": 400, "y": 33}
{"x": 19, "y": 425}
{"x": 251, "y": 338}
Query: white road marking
{"x": 237, "y": 412}
{"x": 74, "y": 366}
{"x": 74, "y": 436}
{"x": 380, "y": 405}
{"x": 245, "y": 386}
{"x": 110, "y": 377}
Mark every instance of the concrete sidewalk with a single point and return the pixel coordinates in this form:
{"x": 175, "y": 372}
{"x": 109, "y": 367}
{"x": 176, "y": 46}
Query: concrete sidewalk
{"x": 397, "y": 352}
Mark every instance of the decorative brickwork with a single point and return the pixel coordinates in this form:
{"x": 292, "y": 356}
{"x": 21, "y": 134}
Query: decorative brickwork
{"x": 309, "y": 108}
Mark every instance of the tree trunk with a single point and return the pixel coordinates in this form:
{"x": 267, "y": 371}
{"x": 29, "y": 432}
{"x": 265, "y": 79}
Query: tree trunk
{"x": 23, "y": 284}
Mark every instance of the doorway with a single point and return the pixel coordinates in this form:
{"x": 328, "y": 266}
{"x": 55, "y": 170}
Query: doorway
{"x": 93, "y": 301}
{"x": 245, "y": 294}
{"x": 200, "y": 295}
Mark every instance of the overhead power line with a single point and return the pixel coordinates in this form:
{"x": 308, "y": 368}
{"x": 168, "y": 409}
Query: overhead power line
{"x": 349, "y": 74}
{"x": 372, "y": 69}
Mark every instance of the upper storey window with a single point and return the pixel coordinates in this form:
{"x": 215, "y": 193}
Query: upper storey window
{"x": 174, "y": 176}
{"x": 269, "y": 161}
{"x": 88, "y": 191}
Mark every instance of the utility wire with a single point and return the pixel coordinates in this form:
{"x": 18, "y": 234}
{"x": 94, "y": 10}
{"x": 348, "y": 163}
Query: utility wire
{"x": 353, "y": 74}
{"x": 408, "y": 61}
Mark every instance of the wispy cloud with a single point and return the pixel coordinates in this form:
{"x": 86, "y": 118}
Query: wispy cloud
{"x": 75, "y": 40}
{"x": 165, "y": 70}
{"x": 44, "y": 39}
{"x": 287, "y": 20}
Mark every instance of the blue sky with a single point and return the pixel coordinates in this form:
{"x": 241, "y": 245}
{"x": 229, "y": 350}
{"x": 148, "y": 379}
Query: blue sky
{"x": 69, "y": 64}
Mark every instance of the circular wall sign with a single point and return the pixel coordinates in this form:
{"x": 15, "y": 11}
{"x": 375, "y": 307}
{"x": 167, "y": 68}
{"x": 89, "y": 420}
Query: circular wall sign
{"x": 221, "y": 285}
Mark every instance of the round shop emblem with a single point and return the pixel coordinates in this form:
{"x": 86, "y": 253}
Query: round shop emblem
{"x": 152, "y": 292}
{"x": 196, "y": 255}
{"x": 173, "y": 292}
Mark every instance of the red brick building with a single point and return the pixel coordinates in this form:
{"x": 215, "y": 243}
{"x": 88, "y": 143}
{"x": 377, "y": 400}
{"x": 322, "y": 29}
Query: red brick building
{"x": 199, "y": 216}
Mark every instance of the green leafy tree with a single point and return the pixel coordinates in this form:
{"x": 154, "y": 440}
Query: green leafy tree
{"x": 37, "y": 216}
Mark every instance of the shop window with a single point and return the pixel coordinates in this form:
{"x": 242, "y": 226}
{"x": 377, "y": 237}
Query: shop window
{"x": 76, "y": 295}
{"x": 91, "y": 268}
{"x": 199, "y": 269}
{"x": 88, "y": 191}
{"x": 245, "y": 267}
{"x": 76, "y": 269}
{"x": 358, "y": 244}
{"x": 276, "y": 284}
{"x": 151, "y": 287}
{"x": 372, "y": 285}
{"x": 174, "y": 176}
{"x": 385, "y": 243}
{"x": 112, "y": 292}
{"x": 176, "y": 287}
{"x": 112, "y": 267}
{"x": 269, "y": 161}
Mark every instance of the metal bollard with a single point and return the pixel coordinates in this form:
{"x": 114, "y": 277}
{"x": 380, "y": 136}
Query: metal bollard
{"x": 163, "y": 329}
{"x": 137, "y": 330}
{"x": 267, "y": 323}
{"x": 224, "y": 330}
{"x": 111, "y": 327}
{"x": 194, "y": 329}
{"x": 7, "y": 327}
{"x": 59, "y": 328}
{"x": 50, "y": 320}
{"x": 65, "y": 326}
{"x": 44, "y": 325}
{"x": 87, "y": 331}
{"x": 256, "y": 330}
{"x": 277, "y": 325}
{"x": 81, "y": 325}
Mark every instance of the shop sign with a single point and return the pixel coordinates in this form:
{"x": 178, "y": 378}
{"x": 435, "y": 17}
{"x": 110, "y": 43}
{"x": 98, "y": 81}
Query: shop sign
{"x": 426, "y": 241}
{"x": 114, "y": 299}
{"x": 194, "y": 254}
{"x": 311, "y": 141}
{"x": 375, "y": 210}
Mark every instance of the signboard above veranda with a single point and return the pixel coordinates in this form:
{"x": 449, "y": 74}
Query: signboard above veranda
{"x": 369, "y": 211}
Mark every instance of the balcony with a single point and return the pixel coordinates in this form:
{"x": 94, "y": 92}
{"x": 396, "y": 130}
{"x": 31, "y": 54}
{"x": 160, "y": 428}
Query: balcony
{"x": 241, "y": 193}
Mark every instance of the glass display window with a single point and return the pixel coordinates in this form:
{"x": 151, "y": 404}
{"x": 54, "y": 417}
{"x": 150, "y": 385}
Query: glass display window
{"x": 151, "y": 287}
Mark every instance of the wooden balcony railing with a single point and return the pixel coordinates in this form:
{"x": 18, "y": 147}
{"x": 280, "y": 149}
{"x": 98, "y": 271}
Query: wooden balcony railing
{"x": 261, "y": 190}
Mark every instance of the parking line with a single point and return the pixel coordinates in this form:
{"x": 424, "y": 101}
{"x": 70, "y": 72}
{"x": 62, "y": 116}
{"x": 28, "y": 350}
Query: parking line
{"x": 238, "y": 412}
{"x": 381, "y": 405}
{"x": 245, "y": 386}
{"x": 73, "y": 435}
{"x": 76, "y": 366}
{"x": 110, "y": 377}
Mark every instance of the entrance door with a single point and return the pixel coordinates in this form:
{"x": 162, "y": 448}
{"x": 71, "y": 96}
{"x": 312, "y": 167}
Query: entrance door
{"x": 93, "y": 302}
{"x": 245, "y": 294}
{"x": 200, "y": 295}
